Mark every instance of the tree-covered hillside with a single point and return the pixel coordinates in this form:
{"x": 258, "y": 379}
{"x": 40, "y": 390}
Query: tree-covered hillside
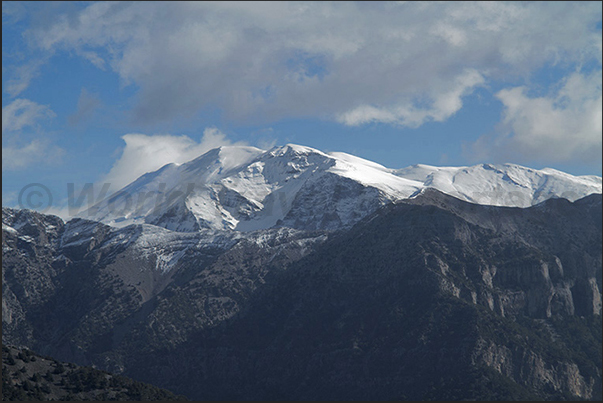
{"x": 29, "y": 376}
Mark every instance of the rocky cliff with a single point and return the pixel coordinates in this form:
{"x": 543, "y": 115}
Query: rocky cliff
{"x": 428, "y": 298}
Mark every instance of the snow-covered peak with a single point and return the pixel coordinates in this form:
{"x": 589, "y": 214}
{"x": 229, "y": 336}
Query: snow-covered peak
{"x": 503, "y": 184}
{"x": 246, "y": 189}
{"x": 293, "y": 150}
{"x": 372, "y": 174}
{"x": 224, "y": 159}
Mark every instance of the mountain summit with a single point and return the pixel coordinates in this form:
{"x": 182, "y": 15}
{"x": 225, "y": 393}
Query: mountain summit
{"x": 246, "y": 189}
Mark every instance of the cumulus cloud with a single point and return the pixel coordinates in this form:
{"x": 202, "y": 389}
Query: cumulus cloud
{"x": 562, "y": 126}
{"x": 143, "y": 153}
{"x": 441, "y": 106}
{"x": 358, "y": 62}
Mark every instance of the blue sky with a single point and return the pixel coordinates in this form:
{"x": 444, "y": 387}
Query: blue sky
{"x": 96, "y": 92}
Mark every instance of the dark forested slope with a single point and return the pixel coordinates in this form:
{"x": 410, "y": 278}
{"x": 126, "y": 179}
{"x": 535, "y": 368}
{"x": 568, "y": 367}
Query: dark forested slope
{"x": 429, "y": 298}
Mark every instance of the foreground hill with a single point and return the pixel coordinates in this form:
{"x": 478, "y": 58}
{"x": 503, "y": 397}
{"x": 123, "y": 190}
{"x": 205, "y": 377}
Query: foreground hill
{"x": 29, "y": 376}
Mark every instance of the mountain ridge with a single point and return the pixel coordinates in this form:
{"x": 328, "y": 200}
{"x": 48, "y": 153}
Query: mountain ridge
{"x": 341, "y": 291}
{"x": 245, "y": 188}
{"x": 417, "y": 298}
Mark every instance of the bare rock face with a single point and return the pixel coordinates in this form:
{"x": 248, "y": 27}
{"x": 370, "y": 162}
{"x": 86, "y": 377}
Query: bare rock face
{"x": 521, "y": 270}
{"x": 428, "y": 298}
{"x": 29, "y": 271}
{"x": 533, "y": 371}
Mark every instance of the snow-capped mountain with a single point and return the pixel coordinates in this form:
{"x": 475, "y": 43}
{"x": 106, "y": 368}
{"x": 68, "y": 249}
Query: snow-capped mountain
{"x": 246, "y": 189}
{"x": 503, "y": 185}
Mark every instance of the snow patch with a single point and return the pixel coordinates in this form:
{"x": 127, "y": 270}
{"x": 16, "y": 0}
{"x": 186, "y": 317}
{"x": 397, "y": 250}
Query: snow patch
{"x": 8, "y": 228}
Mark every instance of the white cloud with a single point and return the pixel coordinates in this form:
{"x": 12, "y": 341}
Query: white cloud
{"x": 143, "y": 153}
{"x": 563, "y": 126}
{"x": 12, "y": 12}
{"x": 22, "y": 113}
{"x": 94, "y": 58}
{"x": 441, "y": 106}
{"x": 37, "y": 152}
{"x": 355, "y": 61}
{"x": 23, "y": 143}
{"x": 22, "y": 75}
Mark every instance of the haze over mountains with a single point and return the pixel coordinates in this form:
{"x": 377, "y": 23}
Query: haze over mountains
{"x": 246, "y": 189}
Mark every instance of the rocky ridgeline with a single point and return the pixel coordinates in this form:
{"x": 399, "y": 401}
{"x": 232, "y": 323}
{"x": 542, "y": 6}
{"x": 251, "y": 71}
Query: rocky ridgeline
{"x": 428, "y": 298}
